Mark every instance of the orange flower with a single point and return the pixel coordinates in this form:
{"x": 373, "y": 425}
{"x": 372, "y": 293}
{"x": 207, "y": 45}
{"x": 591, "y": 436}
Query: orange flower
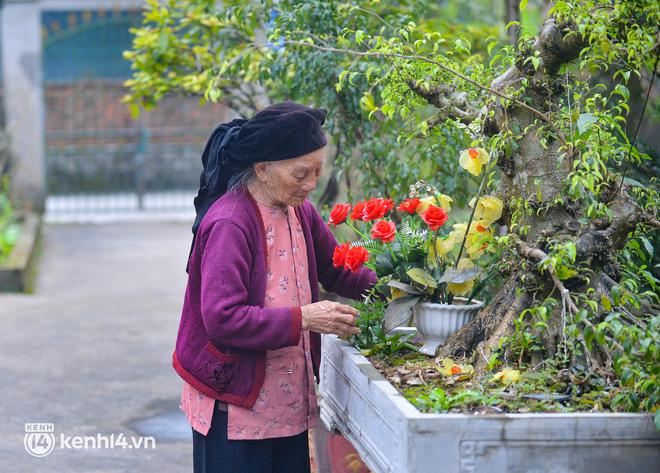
{"x": 456, "y": 369}
{"x": 338, "y": 214}
{"x": 384, "y": 230}
{"x": 435, "y": 216}
{"x": 409, "y": 205}
{"x": 355, "y": 258}
{"x": 376, "y": 208}
{"x": 358, "y": 211}
{"x": 339, "y": 257}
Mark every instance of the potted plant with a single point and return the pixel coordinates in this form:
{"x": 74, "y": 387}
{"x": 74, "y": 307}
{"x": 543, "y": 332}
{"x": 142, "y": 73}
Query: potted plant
{"x": 420, "y": 264}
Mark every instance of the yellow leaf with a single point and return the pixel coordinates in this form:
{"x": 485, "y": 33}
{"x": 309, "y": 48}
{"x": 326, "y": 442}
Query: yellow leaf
{"x": 606, "y": 303}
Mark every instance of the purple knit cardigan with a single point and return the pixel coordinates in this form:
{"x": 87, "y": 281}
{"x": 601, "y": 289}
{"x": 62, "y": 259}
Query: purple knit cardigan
{"x": 225, "y": 329}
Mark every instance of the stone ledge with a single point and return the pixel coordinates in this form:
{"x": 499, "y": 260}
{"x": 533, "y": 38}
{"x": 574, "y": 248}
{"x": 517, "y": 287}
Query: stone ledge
{"x": 16, "y": 272}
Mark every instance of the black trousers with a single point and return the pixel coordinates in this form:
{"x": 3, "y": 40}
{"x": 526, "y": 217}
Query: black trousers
{"x": 214, "y": 453}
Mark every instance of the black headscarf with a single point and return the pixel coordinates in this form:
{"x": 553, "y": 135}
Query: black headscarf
{"x": 281, "y": 131}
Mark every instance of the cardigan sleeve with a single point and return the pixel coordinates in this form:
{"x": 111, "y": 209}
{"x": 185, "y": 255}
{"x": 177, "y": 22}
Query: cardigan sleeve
{"x": 229, "y": 318}
{"x": 336, "y": 280}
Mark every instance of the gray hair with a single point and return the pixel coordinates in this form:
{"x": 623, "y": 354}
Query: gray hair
{"x": 241, "y": 180}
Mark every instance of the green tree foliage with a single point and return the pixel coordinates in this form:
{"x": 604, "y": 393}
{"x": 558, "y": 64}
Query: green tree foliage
{"x": 408, "y": 88}
{"x": 249, "y": 53}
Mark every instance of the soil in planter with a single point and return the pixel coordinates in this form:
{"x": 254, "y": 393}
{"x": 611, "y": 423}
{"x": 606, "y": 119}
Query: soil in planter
{"x": 544, "y": 389}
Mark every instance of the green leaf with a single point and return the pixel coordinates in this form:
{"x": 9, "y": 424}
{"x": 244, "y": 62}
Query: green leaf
{"x": 459, "y": 276}
{"x": 585, "y": 120}
{"x": 580, "y": 316}
{"x": 163, "y": 42}
{"x": 588, "y": 336}
{"x": 214, "y": 94}
{"x": 536, "y": 61}
{"x": 648, "y": 246}
{"x": 403, "y": 286}
{"x": 523, "y": 4}
{"x": 607, "y": 305}
{"x": 421, "y": 279}
{"x": 367, "y": 102}
{"x": 135, "y": 110}
{"x": 656, "y": 419}
{"x": 572, "y": 252}
{"x": 493, "y": 360}
{"x": 384, "y": 264}
{"x": 615, "y": 295}
{"x": 398, "y": 311}
{"x": 633, "y": 182}
{"x": 626, "y": 377}
{"x": 563, "y": 272}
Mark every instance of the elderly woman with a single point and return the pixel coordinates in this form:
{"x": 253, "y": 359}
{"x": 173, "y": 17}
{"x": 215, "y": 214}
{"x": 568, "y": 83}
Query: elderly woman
{"x": 248, "y": 345}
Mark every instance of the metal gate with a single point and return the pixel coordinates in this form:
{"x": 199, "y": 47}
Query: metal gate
{"x": 98, "y": 157}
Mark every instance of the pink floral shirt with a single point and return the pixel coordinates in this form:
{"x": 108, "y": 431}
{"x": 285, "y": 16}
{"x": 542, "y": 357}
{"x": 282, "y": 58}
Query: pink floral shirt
{"x": 286, "y": 404}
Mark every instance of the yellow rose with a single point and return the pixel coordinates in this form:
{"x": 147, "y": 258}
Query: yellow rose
{"x": 442, "y": 247}
{"x": 473, "y": 159}
{"x": 448, "y": 368}
{"x": 488, "y": 208}
{"x": 442, "y": 200}
{"x": 475, "y": 244}
{"x": 507, "y": 376}
{"x": 445, "y": 202}
{"x": 459, "y": 231}
{"x": 463, "y": 288}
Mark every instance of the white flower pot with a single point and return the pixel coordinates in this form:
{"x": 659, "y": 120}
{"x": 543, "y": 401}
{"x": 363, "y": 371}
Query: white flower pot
{"x": 437, "y": 322}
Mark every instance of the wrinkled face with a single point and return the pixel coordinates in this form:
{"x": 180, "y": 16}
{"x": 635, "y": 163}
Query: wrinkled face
{"x": 288, "y": 182}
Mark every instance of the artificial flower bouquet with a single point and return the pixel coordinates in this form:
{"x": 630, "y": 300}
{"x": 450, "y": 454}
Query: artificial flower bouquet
{"x": 413, "y": 253}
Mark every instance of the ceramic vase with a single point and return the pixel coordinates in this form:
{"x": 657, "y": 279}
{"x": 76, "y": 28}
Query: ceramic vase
{"x": 437, "y": 322}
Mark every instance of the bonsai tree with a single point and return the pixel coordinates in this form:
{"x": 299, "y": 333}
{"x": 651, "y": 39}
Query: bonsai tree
{"x": 410, "y": 92}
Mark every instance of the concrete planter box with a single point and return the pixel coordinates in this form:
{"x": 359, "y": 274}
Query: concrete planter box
{"x": 16, "y": 272}
{"x": 391, "y": 435}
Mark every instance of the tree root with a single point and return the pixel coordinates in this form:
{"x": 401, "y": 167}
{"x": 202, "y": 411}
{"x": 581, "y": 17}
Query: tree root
{"x": 505, "y": 328}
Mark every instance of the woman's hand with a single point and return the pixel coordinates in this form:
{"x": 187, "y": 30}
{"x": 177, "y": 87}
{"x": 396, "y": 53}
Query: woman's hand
{"x": 330, "y": 317}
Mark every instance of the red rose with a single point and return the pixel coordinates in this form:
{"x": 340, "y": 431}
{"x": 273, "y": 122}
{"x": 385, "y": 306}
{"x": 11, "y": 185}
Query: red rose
{"x": 376, "y": 208}
{"x": 358, "y": 210}
{"x": 355, "y": 258}
{"x": 384, "y": 230}
{"x": 339, "y": 258}
{"x": 409, "y": 205}
{"x": 338, "y": 214}
{"x": 435, "y": 216}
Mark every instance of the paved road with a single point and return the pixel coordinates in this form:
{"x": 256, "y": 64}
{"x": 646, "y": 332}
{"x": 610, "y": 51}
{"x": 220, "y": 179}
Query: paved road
{"x": 90, "y": 351}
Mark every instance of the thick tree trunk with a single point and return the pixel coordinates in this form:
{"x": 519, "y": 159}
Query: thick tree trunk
{"x": 512, "y": 13}
{"x": 536, "y": 173}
